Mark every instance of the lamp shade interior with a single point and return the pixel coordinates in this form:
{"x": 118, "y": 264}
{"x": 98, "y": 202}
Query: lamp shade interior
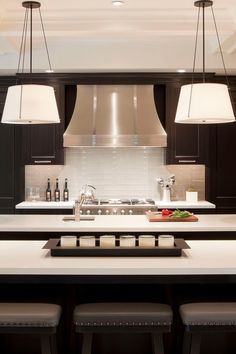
{"x": 204, "y": 103}
{"x": 30, "y": 104}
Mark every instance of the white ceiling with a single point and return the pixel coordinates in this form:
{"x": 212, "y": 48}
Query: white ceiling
{"x": 142, "y": 35}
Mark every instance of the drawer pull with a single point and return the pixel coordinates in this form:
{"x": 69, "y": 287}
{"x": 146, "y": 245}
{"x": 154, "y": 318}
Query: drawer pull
{"x": 187, "y": 161}
{"x": 42, "y": 161}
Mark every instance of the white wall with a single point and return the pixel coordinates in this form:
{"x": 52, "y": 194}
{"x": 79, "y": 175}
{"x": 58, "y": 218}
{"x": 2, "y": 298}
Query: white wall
{"x": 117, "y": 173}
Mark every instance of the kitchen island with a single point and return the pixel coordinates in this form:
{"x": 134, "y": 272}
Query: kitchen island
{"x": 208, "y": 226}
{"x": 29, "y": 258}
{"x": 205, "y": 272}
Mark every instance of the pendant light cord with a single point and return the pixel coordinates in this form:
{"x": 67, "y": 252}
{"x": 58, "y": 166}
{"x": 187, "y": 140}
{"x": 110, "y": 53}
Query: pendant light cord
{"x": 203, "y": 45}
{"x": 221, "y": 52}
{"x": 194, "y": 61}
{"x": 45, "y": 40}
{"x": 22, "y": 45}
{"x": 21, "y": 60}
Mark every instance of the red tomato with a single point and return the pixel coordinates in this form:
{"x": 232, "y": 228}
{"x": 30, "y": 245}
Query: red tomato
{"x": 166, "y": 212}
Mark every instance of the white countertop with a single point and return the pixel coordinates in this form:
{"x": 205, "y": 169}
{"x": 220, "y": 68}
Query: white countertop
{"x": 45, "y": 205}
{"x": 204, "y": 257}
{"x": 114, "y": 223}
{"x": 201, "y": 204}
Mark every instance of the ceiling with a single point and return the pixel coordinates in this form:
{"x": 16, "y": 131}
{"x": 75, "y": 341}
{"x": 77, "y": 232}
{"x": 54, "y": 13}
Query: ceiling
{"x": 142, "y": 35}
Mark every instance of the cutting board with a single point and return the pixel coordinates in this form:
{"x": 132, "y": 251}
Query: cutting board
{"x": 154, "y": 217}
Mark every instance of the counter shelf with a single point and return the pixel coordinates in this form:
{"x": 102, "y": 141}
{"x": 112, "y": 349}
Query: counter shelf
{"x": 57, "y": 251}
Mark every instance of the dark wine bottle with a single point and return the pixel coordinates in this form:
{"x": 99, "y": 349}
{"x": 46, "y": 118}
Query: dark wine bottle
{"x": 57, "y": 191}
{"x": 48, "y": 192}
{"x": 66, "y": 192}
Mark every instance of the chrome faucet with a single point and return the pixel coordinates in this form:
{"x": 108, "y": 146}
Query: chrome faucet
{"x": 86, "y": 193}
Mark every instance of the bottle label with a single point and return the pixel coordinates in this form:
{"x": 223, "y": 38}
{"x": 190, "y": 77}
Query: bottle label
{"x": 57, "y": 196}
{"x": 48, "y": 196}
{"x": 66, "y": 196}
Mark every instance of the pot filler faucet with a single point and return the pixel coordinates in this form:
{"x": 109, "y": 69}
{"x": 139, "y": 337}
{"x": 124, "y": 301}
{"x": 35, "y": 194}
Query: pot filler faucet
{"x": 86, "y": 193}
{"x": 166, "y": 185}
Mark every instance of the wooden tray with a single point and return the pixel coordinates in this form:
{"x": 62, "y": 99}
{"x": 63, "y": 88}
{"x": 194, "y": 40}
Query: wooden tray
{"x": 57, "y": 251}
{"x": 156, "y": 217}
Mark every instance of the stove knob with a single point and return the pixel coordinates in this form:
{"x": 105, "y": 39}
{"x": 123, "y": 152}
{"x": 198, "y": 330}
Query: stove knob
{"x": 99, "y": 212}
{"x": 114, "y": 211}
{"x": 107, "y": 212}
{"x": 130, "y": 212}
{"x": 122, "y": 212}
{"x": 88, "y": 212}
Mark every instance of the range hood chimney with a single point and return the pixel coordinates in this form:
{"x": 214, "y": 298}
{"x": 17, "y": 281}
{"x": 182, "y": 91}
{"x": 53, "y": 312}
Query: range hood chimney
{"x": 115, "y": 116}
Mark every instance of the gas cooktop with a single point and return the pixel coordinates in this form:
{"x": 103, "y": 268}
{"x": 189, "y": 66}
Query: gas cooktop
{"x": 112, "y": 206}
{"x": 112, "y": 201}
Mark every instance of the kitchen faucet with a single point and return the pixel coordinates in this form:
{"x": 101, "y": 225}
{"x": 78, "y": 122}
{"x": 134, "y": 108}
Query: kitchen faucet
{"x": 166, "y": 186}
{"x": 86, "y": 193}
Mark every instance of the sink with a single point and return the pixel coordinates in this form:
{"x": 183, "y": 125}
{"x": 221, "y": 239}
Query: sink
{"x": 82, "y": 218}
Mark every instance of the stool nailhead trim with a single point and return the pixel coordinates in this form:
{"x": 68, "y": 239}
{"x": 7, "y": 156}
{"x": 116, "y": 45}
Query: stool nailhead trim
{"x": 28, "y": 324}
{"x": 117, "y": 324}
{"x": 211, "y": 323}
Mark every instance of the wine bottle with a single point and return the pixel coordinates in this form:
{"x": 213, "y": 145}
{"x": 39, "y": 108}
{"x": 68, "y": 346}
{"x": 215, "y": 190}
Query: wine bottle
{"x": 48, "y": 192}
{"x": 57, "y": 191}
{"x": 66, "y": 192}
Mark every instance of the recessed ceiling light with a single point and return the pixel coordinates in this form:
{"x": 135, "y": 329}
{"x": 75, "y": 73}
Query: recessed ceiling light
{"x": 181, "y": 71}
{"x": 117, "y": 2}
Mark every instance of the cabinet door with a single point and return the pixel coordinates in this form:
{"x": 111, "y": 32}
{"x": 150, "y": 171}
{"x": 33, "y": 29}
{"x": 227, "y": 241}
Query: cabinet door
{"x": 43, "y": 144}
{"x": 12, "y": 173}
{"x": 221, "y": 174}
{"x": 186, "y": 143}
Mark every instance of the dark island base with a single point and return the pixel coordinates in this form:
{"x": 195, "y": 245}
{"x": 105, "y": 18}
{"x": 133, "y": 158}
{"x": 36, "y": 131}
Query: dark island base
{"x": 70, "y": 294}
{"x": 220, "y": 235}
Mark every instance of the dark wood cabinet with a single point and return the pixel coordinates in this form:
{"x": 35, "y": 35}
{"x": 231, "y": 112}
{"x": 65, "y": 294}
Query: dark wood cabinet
{"x": 221, "y": 171}
{"x": 43, "y": 144}
{"x": 12, "y": 172}
{"x": 186, "y": 143}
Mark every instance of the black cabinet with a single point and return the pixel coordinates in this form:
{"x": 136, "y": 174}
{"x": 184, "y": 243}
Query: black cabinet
{"x": 186, "y": 143}
{"x": 12, "y": 172}
{"x": 43, "y": 143}
{"x": 221, "y": 171}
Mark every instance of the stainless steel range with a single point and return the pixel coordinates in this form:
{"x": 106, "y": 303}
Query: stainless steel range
{"x": 131, "y": 206}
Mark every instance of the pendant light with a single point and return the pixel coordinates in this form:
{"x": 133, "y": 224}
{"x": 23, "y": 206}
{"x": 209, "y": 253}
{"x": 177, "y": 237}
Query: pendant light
{"x": 30, "y": 103}
{"x": 205, "y": 103}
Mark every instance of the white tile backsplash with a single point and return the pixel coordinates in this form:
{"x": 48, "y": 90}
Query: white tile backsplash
{"x": 117, "y": 173}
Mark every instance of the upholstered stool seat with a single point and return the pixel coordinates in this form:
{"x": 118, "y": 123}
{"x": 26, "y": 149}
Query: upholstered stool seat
{"x": 119, "y": 317}
{"x": 37, "y": 318}
{"x": 205, "y": 317}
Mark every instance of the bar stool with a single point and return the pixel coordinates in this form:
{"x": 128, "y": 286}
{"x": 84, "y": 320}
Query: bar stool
{"x": 123, "y": 317}
{"x": 32, "y": 318}
{"x": 200, "y": 318}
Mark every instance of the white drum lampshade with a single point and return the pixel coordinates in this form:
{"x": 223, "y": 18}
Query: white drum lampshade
{"x": 30, "y": 104}
{"x": 204, "y": 103}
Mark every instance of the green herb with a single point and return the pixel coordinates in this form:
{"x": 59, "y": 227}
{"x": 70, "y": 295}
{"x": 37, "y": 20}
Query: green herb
{"x": 180, "y": 214}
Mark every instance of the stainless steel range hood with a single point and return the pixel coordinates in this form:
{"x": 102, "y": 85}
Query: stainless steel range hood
{"x": 115, "y": 116}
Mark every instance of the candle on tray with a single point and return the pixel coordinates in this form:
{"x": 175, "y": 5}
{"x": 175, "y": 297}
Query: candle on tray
{"x": 68, "y": 241}
{"x": 127, "y": 241}
{"x": 166, "y": 241}
{"x": 146, "y": 241}
{"x": 87, "y": 241}
{"x": 107, "y": 241}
